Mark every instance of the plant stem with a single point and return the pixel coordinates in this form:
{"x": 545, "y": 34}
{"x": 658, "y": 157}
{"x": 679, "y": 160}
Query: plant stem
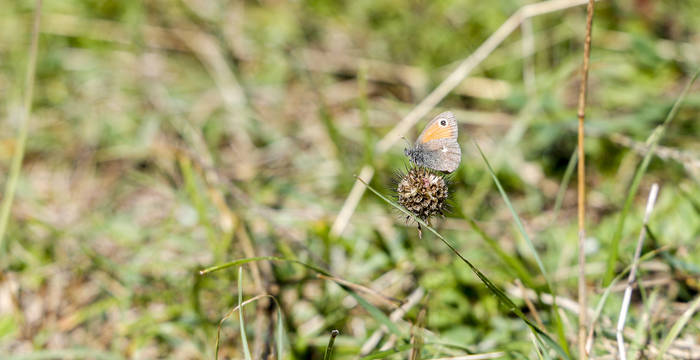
{"x": 582, "y": 185}
{"x": 329, "y": 348}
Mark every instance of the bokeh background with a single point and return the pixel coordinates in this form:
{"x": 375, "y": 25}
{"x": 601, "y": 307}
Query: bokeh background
{"x": 170, "y": 136}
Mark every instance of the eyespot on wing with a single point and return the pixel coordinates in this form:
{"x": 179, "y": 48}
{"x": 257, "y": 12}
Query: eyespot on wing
{"x": 435, "y": 132}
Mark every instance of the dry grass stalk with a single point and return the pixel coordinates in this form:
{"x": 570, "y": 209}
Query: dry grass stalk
{"x": 582, "y": 185}
{"x": 633, "y": 273}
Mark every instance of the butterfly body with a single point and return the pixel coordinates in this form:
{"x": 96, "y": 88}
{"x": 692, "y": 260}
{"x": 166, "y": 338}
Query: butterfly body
{"x": 436, "y": 147}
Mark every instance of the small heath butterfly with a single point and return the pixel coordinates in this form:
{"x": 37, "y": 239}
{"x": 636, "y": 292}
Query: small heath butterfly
{"x": 436, "y": 147}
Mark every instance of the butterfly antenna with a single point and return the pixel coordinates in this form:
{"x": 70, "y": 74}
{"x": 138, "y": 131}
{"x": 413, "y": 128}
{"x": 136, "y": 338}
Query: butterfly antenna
{"x": 406, "y": 140}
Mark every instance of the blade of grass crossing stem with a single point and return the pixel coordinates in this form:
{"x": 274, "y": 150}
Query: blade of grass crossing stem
{"x": 652, "y": 142}
{"x": 244, "y": 340}
{"x": 521, "y": 228}
{"x": 500, "y": 295}
{"x": 677, "y": 327}
{"x": 329, "y": 348}
{"x": 377, "y": 314}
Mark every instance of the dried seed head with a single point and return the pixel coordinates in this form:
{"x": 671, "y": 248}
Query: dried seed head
{"x": 423, "y": 192}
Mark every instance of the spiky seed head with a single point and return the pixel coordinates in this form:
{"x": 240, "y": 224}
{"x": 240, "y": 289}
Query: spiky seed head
{"x": 423, "y": 192}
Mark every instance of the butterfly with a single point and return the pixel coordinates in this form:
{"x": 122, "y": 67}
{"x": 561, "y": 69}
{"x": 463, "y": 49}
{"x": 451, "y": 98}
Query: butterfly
{"x": 436, "y": 147}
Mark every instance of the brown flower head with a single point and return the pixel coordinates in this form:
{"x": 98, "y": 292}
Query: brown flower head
{"x": 423, "y": 192}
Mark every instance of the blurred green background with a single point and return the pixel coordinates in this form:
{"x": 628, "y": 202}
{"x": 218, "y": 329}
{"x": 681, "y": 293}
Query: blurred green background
{"x": 170, "y": 136}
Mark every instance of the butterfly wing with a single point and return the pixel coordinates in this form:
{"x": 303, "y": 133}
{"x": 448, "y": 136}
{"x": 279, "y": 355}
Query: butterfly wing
{"x": 442, "y": 154}
{"x": 438, "y": 144}
{"x": 443, "y": 126}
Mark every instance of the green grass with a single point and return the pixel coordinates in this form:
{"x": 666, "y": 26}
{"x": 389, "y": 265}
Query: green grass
{"x": 135, "y": 159}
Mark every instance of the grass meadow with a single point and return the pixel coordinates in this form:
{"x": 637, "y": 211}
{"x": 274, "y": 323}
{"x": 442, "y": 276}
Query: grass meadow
{"x": 188, "y": 180}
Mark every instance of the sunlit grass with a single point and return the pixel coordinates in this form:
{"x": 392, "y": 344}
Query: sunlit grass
{"x": 160, "y": 140}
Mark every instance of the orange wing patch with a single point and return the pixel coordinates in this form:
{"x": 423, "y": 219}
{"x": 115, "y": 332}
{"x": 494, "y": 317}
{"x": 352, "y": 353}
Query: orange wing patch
{"x": 436, "y": 132}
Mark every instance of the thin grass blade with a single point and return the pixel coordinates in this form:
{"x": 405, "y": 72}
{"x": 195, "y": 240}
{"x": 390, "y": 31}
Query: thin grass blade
{"x": 521, "y": 228}
{"x": 677, "y": 327}
{"x": 244, "y": 339}
{"x": 280, "y": 332}
{"x": 536, "y": 346}
{"x": 509, "y": 260}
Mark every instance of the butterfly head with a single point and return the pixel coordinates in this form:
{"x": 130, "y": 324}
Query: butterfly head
{"x": 415, "y": 154}
{"x": 409, "y": 151}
